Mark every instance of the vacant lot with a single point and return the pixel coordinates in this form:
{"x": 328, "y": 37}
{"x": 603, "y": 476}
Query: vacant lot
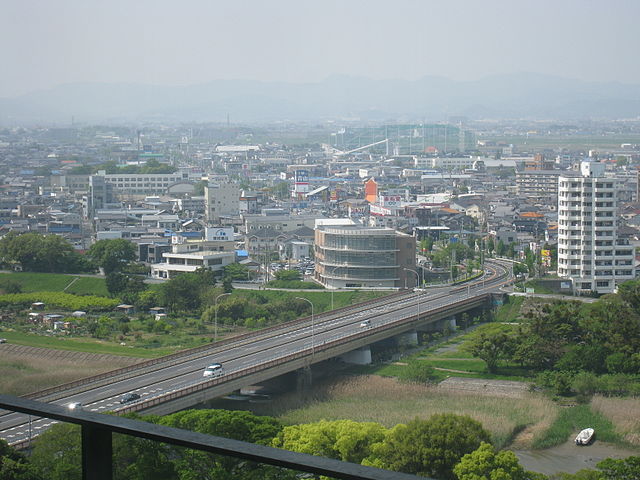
{"x": 28, "y": 369}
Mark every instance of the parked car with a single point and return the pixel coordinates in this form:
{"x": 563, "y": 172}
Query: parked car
{"x": 3, "y": 340}
{"x": 129, "y": 397}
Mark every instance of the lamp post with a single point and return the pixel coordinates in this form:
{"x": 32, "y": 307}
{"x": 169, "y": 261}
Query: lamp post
{"x": 417, "y": 282}
{"x": 312, "y": 324}
{"x": 215, "y": 322}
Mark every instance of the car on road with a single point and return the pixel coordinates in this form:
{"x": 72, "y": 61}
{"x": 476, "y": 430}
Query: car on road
{"x": 74, "y": 406}
{"x": 365, "y": 323}
{"x": 130, "y": 397}
{"x": 213, "y": 370}
{"x": 3, "y": 340}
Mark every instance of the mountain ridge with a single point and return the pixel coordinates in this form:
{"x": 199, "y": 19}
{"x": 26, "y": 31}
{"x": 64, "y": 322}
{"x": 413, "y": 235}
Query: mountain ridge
{"x": 435, "y": 98}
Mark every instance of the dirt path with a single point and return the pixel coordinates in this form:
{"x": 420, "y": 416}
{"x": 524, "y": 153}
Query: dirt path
{"x": 501, "y": 388}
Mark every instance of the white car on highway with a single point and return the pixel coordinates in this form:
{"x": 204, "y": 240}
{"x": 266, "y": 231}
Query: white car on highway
{"x": 213, "y": 370}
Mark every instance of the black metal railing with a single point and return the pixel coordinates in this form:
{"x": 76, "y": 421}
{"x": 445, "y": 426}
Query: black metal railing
{"x": 96, "y": 430}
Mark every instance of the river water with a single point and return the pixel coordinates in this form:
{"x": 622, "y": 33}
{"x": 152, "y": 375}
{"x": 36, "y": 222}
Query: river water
{"x": 570, "y": 458}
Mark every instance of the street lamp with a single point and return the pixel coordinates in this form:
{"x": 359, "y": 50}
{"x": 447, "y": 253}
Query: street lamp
{"x": 417, "y": 282}
{"x": 312, "y": 324}
{"x": 215, "y": 322}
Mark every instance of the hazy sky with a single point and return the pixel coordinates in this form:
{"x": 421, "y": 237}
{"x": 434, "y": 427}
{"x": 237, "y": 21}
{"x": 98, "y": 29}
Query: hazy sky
{"x": 49, "y": 42}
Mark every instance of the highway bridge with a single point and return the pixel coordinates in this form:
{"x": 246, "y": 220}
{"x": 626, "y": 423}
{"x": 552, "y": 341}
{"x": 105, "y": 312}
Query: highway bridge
{"x": 175, "y": 382}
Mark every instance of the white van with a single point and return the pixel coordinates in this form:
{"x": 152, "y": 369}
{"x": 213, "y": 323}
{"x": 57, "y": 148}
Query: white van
{"x": 213, "y": 370}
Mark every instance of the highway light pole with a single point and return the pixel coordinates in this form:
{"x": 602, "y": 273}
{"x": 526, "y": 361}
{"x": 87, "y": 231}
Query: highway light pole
{"x": 312, "y": 324}
{"x": 417, "y": 282}
{"x": 215, "y": 322}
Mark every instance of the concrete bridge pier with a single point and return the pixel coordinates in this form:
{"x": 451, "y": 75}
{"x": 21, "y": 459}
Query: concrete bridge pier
{"x": 304, "y": 378}
{"x": 407, "y": 339}
{"x": 361, "y": 356}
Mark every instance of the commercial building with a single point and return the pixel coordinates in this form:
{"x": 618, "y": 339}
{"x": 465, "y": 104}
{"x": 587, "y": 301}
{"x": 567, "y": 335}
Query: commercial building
{"x": 354, "y": 256}
{"x": 590, "y": 252}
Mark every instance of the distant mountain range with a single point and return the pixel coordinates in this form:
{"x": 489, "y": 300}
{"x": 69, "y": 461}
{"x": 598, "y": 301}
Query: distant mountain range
{"x": 527, "y": 96}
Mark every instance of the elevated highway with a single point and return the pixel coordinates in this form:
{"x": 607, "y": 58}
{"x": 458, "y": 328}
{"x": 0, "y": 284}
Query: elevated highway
{"x": 175, "y": 382}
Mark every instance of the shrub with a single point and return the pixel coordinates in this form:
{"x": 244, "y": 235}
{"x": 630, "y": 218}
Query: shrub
{"x": 62, "y": 300}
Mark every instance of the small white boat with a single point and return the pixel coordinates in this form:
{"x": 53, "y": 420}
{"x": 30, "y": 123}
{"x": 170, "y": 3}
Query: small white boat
{"x": 585, "y": 436}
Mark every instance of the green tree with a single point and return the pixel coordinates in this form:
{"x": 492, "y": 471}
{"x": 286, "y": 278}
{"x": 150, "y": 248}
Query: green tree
{"x": 417, "y": 371}
{"x": 490, "y": 245}
{"x": 14, "y": 465}
{"x": 56, "y": 453}
{"x": 287, "y": 275}
{"x": 124, "y": 286}
{"x": 344, "y": 440}
{"x": 500, "y": 248}
{"x": 490, "y": 345}
{"x": 429, "y": 447}
{"x": 623, "y": 469}
{"x": 41, "y": 253}
{"x": 183, "y": 292}
{"x": 236, "y": 271}
{"x": 112, "y": 255}
{"x": 485, "y": 464}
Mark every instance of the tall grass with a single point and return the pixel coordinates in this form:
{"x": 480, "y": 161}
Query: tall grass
{"x": 569, "y": 423}
{"x": 386, "y": 401}
{"x": 26, "y": 373}
{"x": 624, "y": 413}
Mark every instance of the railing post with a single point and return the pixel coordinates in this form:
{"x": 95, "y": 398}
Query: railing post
{"x": 97, "y": 457}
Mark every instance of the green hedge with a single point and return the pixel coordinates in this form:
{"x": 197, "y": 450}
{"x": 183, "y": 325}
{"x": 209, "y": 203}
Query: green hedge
{"x": 66, "y": 301}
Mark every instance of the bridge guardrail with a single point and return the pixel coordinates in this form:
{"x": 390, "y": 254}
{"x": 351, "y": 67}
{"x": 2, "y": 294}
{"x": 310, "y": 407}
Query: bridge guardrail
{"x": 177, "y": 357}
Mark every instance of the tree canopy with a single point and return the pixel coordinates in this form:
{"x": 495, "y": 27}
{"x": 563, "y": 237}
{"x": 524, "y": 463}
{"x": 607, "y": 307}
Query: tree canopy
{"x": 41, "y": 253}
{"x": 485, "y": 464}
{"x": 429, "y": 447}
{"x": 112, "y": 255}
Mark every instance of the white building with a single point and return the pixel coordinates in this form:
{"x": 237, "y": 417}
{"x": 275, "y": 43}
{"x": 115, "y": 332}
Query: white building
{"x": 176, "y": 263}
{"x": 590, "y": 252}
{"x": 142, "y": 183}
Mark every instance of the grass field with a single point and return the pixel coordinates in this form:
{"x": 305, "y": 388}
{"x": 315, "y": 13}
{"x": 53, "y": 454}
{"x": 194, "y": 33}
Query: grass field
{"x": 55, "y": 282}
{"x": 624, "y": 413}
{"x": 386, "y": 401}
{"x": 510, "y": 311}
{"x": 23, "y": 374}
{"x": 574, "y": 419}
{"x": 84, "y": 345}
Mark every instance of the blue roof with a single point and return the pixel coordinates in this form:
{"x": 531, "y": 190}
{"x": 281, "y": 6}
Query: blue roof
{"x": 242, "y": 253}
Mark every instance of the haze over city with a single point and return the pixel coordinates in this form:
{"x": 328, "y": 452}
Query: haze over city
{"x": 45, "y": 44}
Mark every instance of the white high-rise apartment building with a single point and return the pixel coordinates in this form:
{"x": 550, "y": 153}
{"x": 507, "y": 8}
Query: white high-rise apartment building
{"x": 590, "y": 252}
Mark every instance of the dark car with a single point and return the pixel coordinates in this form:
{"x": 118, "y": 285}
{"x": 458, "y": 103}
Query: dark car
{"x": 129, "y": 397}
